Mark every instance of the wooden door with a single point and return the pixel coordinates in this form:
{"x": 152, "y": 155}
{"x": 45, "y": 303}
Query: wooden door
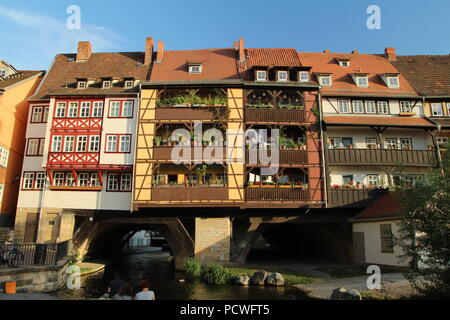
{"x": 359, "y": 250}
{"x": 31, "y": 228}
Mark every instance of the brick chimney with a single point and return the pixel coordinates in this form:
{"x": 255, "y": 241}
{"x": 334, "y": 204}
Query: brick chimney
{"x": 241, "y": 49}
{"x": 159, "y": 52}
{"x": 326, "y": 51}
{"x": 236, "y": 45}
{"x": 149, "y": 43}
{"x": 390, "y": 54}
{"x": 84, "y": 51}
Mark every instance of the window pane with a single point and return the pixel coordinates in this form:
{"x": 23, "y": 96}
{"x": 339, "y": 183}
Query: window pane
{"x": 37, "y": 114}
{"x": 127, "y": 109}
{"x": 112, "y": 144}
{"x": 125, "y": 143}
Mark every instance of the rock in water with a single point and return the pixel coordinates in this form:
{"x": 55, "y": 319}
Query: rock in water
{"x": 275, "y": 279}
{"x": 344, "y": 294}
{"x": 242, "y": 280}
{"x": 259, "y": 278}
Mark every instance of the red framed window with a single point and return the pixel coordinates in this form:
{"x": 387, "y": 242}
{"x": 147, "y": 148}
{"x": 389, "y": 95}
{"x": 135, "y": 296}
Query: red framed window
{"x": 121, "y": 109}
{"x": 39, "y": 114}
{"x": 79, "y": 109}
{"x": 118, "y": 143}
{"x": 75, "y": 143}
{"x": 33, "y": 180}
{"x": 35, "y": 147}
{"x": 79, "y": 180}
{"x": 119, "y": 182}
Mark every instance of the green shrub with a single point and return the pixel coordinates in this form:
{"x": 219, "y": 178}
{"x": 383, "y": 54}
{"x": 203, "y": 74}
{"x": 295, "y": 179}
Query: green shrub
{"x": 192, "y": 268}
{"x": 215, "y": 274}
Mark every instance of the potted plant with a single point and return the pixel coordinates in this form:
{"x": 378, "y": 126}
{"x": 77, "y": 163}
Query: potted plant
{"x": 158, "y": 141}
{"x": 335, "y": 186}
{"x": 406, "y": 148}
{"x": 201, "y": 171}
{"x": 430, "y": 147}
{"x": 351, "y": 146}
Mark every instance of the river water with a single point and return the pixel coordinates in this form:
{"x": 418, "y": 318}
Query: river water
{"x": 157, "y": 267}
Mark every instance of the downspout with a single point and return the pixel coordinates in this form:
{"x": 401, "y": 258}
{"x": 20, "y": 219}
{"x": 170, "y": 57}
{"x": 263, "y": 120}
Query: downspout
{"x": 133, "y": 188}
{"x": 325, "y": 178}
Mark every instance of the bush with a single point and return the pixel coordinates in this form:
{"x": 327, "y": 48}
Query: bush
{"x": 192, "y": 268}
{"x": 215, "y": 274}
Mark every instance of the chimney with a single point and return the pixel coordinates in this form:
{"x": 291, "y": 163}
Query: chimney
{"x": 241, "y": 50}
{"x": 326, "y": 51}
{"x": 149, "y": 43}
{"x": 160, "y": 52}
{"x": 355, "y": 52}
{"x": 84, "y": 51}
{"x": 236, "y": 45}
{"x": 390, "y": 54}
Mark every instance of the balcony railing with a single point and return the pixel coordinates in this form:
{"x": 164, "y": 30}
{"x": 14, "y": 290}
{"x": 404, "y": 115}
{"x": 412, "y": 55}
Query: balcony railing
{"x": 285, "y": 156}
{"x": 381, "y": 157}
{"x": 182, "y": 113}
{"x": 164, "y": 153}
{"x": 182, "y": 193}
{"x": 77, "y": 123}
{"x": 276, "y": 193}
{"x": 73, "y": 158}
{"x": 274, "y": 115}
{"x": 356, "y": 198}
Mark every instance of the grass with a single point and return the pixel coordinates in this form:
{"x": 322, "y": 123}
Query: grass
{"x": 290, "y": 277}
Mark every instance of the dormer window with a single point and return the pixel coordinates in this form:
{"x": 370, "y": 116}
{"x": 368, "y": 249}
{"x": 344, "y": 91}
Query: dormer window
{"x": 129, "y": 84}
{"x": 325, "y": 80}
{"x": 362, "y": 82}
{"x": 81, "y": 84}
{"x": 393, "y": 82}
{"x": 106, "y": 84}
{"x": 261, "y": 75}
{"x": 303, "y": 76}
{"x": 195, "y": 68}
{"x": 344, "y": 62}
{"x": 2, "y": 73}
{"x": 282, "y": 76}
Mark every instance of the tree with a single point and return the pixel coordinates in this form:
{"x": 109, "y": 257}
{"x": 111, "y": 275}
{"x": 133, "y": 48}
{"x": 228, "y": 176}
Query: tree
{"x": 424, "y": 230}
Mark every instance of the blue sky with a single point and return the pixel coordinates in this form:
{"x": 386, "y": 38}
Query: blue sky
{"x": 32, "y": 32}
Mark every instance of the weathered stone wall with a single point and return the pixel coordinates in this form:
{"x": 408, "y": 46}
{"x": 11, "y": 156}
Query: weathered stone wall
{"x": 212, "y": 240}
{"x": 36, "y": 279}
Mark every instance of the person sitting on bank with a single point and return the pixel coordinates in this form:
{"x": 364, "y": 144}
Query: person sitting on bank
{"x": 145, "y": 293}
{"x": 115, "y": 285}
{"x": 124, "y": 293}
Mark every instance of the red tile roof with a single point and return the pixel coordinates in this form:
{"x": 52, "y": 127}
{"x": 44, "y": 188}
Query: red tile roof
{"x": 342, "y": 82}
{"x": 61, "y": 78}
{"x": 376, "y": 120}
{"x": 217, "y": 64}
{"x": 387, "y": 206}
{"x": 430, "y": 75}
{"x": 22, "y": 75}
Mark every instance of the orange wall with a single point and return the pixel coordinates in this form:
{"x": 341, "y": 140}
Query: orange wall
{"x": 13, "y": 121}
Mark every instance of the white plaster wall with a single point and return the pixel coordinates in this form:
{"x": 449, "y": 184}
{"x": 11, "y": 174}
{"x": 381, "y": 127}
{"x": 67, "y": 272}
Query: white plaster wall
{"x": 420, "y": 139}
{"x": 372, "y": 243}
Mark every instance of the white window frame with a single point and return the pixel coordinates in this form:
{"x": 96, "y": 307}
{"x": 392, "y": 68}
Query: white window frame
{"x": 358, "y": 103}
{"x": 114, "y": 109}
{"x": 371, "y": 181}
{"x": 406, "y": 142}
{"x": 73, "y": 106}
{"x": 303, "y": 76}
{"x": 28, "y": 181}
{"x": 82, "y": 142}
{"x": 340, "y": 106}
{"x": 125, "y": 182}
{"x": 195, "y": 69}
{"x": 393, "y": 86}
{"x": 362, "y": 85}
{"x": 94, "y": 179}
{"x": 83, "y": 179}
{"x": 37, "y": 114}
{"x": 85, "y": 110}
{"x": 405, "y": 107}
{"x": 391, "y": 142}
{"x": 106, "y": 84}
{"x": 437, "y": 114}
{"x": 94, "y": 143}
{"x": 69, "y": 144}
{"x": 127, "y": 105}
{"x": 4, "y": 156}
{"x": 380, "y": 105}
{"x": 113, "y": 182}
{"x": 33, "y": 147}
{"x": 97, "y": 110}
{"x": 322, "y": 83}
{"x": 111, "y": 143}
{"x": 40, "y": 180}
{"x": 81, "y": 85}
{"x": 2, "y": 186}
{"x": 70, "y": 180}
{"x": 374, "y": 105}
{"x": 129, "y": 84}
{"x": 61, "y": 110}
{"x": 57, "y": 141}
{"x": 59, "y": 179}
{"x": 125, "y": 146}
{"x": 261, "y": 72}
{"x": 284, "y": 73}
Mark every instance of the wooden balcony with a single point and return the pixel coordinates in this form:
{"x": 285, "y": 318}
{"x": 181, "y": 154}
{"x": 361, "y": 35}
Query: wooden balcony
{"x": 288, "y": 157}
{"x": 181, "y": 193}
{"x": 169, "y": 113}
{"x": 276, "y": 193}
{"x": 164, "y": 153}
{"x": 354, "y": 198}
{"x": 275, "y": 115}
{"x": 358, "y": 157}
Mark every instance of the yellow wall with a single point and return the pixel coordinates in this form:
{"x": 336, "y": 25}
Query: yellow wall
{"x": 427, "y": 108}
{"x": 13, "y": 120}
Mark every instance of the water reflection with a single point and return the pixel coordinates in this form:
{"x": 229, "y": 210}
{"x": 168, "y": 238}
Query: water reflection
{"x": 158, "y": 268}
